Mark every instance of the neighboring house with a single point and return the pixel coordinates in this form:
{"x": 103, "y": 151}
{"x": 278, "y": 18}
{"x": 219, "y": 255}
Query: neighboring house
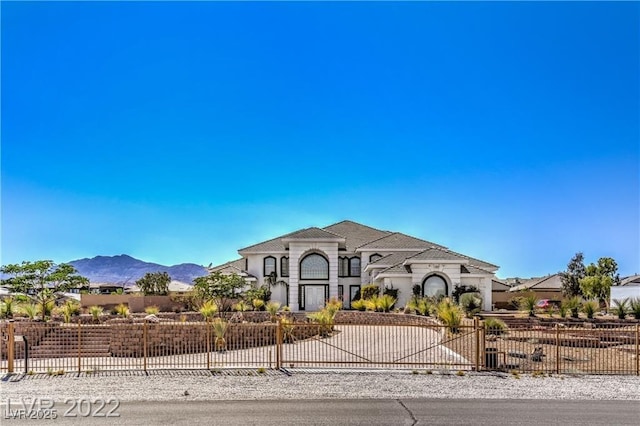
{"x": 629, "y": 288}
{"x": 549, "y": 287}
{"x": 500, "y": 295}
{"x": 175, "y": 287}
{"x": 319, "y": 263}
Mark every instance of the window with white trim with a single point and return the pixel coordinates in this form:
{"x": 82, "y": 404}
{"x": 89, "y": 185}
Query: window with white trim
{"x": 314, "y": 267}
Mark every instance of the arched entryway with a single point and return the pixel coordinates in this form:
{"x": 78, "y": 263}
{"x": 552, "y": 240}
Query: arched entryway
{"x": 435, "y": 286}
{"x": 314, "y": 281}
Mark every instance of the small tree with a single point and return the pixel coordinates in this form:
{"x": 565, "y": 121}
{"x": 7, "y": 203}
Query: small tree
{"x": 154, "y": 283}
{"x": 220, "y": 288}
{"x": 572, "y": 276}
{"x": 44, "y": 278}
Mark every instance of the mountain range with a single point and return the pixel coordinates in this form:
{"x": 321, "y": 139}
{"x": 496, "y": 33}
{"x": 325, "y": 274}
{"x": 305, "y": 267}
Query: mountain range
{"x": 124, "y": 269}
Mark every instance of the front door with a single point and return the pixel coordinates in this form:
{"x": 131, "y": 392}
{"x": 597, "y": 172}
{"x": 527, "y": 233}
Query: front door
{"x": 313, "y": 297}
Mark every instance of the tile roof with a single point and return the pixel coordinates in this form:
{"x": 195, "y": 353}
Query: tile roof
{"x": 232, "y": 266}
{"x": 549, "y": 282}
{"x": 355, "y": 233}
{"x": 398, "y": 268}
{"x": 313, "y": 233}
{"x": 631, "y": 280}
{"x": 436, "y": 254}
{"x": 470, "y": 269}
{"x": 398, "y": 240}
{"x": 393, "y": 258}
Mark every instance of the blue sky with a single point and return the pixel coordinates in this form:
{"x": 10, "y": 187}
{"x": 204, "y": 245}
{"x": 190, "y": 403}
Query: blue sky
{"x": 180, "y": 132}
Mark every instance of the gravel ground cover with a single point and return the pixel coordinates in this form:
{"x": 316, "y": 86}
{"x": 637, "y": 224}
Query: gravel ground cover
{"x": 315, "y": 384}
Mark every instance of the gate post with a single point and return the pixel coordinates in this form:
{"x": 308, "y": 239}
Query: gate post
{"x": 279, "y": 345}
{"x": 208, "y": 340}
{"x": 557, "y": 348}
{"x": 637, "y": 349}
{"x": 11, "y": 344}
{"x": 476, "y": 329}
{"x": 79, "y": 347}
{"x": 144, "y": 345}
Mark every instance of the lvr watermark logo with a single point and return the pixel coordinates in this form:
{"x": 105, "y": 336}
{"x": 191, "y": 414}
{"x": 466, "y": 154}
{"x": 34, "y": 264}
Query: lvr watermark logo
{"x": 45, "y": 408}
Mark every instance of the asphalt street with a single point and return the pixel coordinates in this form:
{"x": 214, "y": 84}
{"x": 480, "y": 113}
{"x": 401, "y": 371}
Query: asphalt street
{"x": 356, "y": 412}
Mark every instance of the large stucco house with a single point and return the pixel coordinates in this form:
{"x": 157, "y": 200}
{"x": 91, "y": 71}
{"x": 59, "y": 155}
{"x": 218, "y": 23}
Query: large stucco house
{"x": 334, "y": 261}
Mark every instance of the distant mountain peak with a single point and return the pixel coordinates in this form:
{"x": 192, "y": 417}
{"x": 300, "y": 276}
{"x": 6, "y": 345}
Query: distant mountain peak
{"x": 125, "y": 269}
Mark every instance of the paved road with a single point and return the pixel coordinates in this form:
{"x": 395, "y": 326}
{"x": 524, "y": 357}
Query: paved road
{"x": 364, "y": 412}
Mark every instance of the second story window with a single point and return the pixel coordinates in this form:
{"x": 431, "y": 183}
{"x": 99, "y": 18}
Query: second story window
{"x": 374, "y": 257}
{"x": 314, "y": 267}
{"x": 269, "y": 265}
{"x": 343, "y": 267}
{"x": 284, "y": 266}
{"x": 354, "y": 267}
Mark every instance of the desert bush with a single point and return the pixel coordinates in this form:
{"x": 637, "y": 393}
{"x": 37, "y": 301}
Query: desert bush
{"x": 528, "y": 304}
{"x": 122, "y": 310}
{"x": 563, "y": 310}
{"x": 220, "y": 329}
{"x": 272, "y": 308}
{"x": 471, "y": 304}
{"x": 369, "y": 291}
{"x": 495, "y": 326}
{"x": 590, "y": 307}
{"x": 95, "y": 312}
{"x": 287, "y": 329}
{"x": 359, "y": 304}
{"x": 332, "y": 306}
{"x": 634, "y": 307}
{"x": 241, "y": 306}
{"x": 385, "y": 303}
{"x": 208, "y": 309}
{"x": 449, "y": 314}
{"x": 621, "y": 307}
{"x": 370, "y": 304}
{"x": 573, "y": 305}
{"x": 152, "y": 310}
{"x": 29, "y": 309}
{"x": 69, "y": 309}
{"x": 6, "y": 308}
{"x": 258, "y": 304}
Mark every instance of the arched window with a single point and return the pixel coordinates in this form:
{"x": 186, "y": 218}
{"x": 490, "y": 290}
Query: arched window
{"x": 343, "y": 267}
{"x": 314, "y": 267}
{"x": 354, "y": 267}
{"x": 284, "y": 266}
{"x": 434, "y": 286}
{"x": 374, "y": 257}
{"x": 269, "y": 265}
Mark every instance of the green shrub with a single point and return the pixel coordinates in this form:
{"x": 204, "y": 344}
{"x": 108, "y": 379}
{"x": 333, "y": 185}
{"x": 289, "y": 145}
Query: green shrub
{"x": 45, "y": 309}
{"x": 528, "y": 304}
{"x": 208, "y": 309}
{"x": 272, "y": 308}
{"x": 287, "y": 329}
{"x": 359, "y": 304}
{"x": 449, "y": 314}
{"x": 29, "y": 309}
{"x": 573, "y": 305}
{"x": 470, "y": 303}
{"x": 385, "y": 303}
{"x": 152, "y": 310}
{"x": 563, "y": 310}
{"x": 220, "y": 329}
{"x": 634, "y": 306}
{"x": 621, "y": 307}
{"x": 258, "y": 304}
{"x": 241, "y": 306}
{"x": 370, "y": 304}
{"x": 495, "y": 326}
{"x": 6, "y": 308}
{"x": 122, "y": 310}
{"x": 95, "y": 312}
{"x": 425, "y": 306}
{"x": 369, "y": 291}
{"x": 590, "y": 307}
